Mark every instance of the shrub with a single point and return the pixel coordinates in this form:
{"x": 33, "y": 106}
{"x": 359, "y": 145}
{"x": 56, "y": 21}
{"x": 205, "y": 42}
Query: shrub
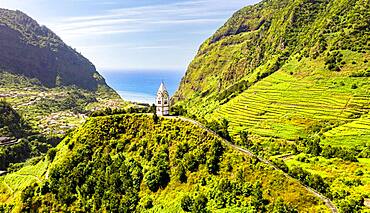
{"x": 182, "y": 174}
{"x": 148, "y": 203}
{"x": 51, "y": 154}
{"x": 280, "y": 164}
{"x": 191, "y": 162}
{"x": 200, "y": 204}
{"x": 333, "y": 59}
{"x": 155, "y": 118}
{"x": 359, "y": 172}
{"x": 187, "y": 203}
{"x": 244, "y": 138}
{"x": 351, "y": 204}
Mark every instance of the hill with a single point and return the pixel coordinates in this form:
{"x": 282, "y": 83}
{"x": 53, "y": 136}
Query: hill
{"x": 135, "y": 163}
{"x": 291, "y": 77}
{"x": 283, "y": 64}
{"x": 47, "y": 81}
{"x": 34, "y": 51}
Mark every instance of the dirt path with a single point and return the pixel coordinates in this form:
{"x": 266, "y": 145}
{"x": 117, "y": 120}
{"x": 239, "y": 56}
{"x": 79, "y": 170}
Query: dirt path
{"x": 326, "y": 200}
{"x": 28, "y": 175}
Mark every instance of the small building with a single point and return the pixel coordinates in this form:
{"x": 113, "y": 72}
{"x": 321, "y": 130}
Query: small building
{"x": 163, "y": 101}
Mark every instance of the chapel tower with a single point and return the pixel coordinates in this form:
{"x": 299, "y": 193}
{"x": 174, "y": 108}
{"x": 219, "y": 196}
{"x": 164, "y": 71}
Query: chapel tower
{"x": 163, "y": 101}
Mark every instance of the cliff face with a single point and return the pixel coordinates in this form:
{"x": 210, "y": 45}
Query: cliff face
{"x": 264, "y": 36}
{"x": 28, "y": 49}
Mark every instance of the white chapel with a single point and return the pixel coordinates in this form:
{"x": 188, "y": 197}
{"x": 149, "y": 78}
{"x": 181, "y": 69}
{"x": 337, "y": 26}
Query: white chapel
{"x": 163, "y": 101}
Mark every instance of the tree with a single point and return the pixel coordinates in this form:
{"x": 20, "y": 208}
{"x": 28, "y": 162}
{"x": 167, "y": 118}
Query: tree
{"x": 313, "y": 147}
{"x": 187, "y": 203}
{"x": 152, "y": 108}
{"x": 244, "y": 138}
{"x": 200, "y": 204}
{"x": 182, "y": 174}
{"x": 155, "y": 118}
{"x": 51, "y": 154}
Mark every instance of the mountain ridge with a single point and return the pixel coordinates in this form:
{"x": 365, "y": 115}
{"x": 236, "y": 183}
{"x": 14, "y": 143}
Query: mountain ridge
{"x": 34, "y": 51}
{"x": 256, "y": 36}
{"x": 289, "y": 81}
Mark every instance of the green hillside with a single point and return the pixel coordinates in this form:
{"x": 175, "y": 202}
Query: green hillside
{"x": 126, "y": 163}
{"x": 286, "y": 66}
{"x": 11, "y": 122}
{"x": 258, "y": 40}
{"x": 291, "y": 78}
{"x": 49, "y": 83}
{"x": 19, "y": 142}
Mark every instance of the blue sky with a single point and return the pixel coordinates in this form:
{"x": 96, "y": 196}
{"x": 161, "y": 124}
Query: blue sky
{"x": 132, "y": 34}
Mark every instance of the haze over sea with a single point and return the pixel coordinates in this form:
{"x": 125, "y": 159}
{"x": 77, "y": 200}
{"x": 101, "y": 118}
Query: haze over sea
{"x": 142, "y": 85}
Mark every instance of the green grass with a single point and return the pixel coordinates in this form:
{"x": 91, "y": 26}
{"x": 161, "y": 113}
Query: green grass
{"x": 12, "y": 184}
{"x": 285, "y": 105}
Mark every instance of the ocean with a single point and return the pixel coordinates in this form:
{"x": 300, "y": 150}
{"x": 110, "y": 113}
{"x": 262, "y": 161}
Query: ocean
{"x": 142, "y": 86}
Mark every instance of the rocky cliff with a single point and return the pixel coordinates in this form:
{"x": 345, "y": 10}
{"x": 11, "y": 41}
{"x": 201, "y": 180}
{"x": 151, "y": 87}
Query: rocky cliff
{"x": 34, "y": 51}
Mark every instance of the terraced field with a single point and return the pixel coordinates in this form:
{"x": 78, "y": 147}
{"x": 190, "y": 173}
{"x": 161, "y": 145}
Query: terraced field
{"x": 355, "y": 132}
{"x": 12, "y": 184}
{"x": 286, "y": 105}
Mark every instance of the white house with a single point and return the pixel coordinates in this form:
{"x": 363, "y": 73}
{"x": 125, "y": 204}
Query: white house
{"x": 163, "y": 101}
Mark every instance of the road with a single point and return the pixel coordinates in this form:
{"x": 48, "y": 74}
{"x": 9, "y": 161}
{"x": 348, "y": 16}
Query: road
{"x": 326, "y": 200}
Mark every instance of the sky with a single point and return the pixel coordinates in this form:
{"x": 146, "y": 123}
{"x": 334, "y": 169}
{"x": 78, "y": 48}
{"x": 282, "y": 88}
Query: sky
{"x": 122, "y": 35}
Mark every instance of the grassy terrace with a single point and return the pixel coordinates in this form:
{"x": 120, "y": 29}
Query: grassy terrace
{"x": 11, "y": 185}
{"x": 303, "y": 99}
{"x": 289, "y": 102}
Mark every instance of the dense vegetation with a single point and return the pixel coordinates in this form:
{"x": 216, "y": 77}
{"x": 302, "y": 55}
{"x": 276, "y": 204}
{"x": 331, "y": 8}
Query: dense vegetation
{"x": 11, "y": 123}
{"x": 136, "y": 163}
{"x": 27, "y": 142}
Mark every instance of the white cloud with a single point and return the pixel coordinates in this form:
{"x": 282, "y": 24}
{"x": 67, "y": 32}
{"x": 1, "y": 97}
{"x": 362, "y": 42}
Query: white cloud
{"x": 145, "y": 18}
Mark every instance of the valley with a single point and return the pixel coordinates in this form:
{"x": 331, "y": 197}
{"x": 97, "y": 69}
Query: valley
{"x": 272, "y": 115}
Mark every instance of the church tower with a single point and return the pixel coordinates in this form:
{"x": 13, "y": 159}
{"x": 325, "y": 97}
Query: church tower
{"x": 163, "y": 101}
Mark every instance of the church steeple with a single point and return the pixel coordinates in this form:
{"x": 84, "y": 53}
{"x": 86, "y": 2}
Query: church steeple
{"x": 162, "y": 101}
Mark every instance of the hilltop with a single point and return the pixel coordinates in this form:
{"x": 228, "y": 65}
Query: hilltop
{"x": 136, "y": 163}
{"x": 290, "y": 81}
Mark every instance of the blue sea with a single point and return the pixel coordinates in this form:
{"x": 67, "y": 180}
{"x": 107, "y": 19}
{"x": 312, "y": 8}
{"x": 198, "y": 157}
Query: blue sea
{"x": 142, "y": 86}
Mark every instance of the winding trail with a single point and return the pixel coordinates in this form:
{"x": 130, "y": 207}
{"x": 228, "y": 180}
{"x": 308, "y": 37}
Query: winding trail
{"x": 326, "y": 200}
{"x": 28, "y": 175}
